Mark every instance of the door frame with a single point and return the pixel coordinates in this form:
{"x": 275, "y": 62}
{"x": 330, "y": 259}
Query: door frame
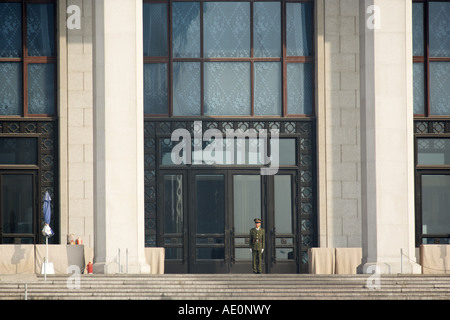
{"x": 168, "y": 240}
{"x": 209, "y": 265}
{"x": 244, "y": 266}
{"x": 188, "y": 263}
{"x": 273, "y": 264}
{"x": 420, "y": 236}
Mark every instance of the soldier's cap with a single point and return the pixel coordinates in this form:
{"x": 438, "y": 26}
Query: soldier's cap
{"x": 257, "y": 220}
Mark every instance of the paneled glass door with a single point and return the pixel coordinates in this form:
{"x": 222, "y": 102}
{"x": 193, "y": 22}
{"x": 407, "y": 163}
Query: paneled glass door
{"x": 247, "y": 205}
{"x": 18, "y": 207}
{"x": 208, "y": 230}
{"x": 282, "y": 243}
{"x": 206, "y": 217}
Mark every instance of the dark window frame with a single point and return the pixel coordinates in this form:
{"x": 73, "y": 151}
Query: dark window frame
{"x": 426, "y": 59}
{"x": 426, "y": 129}
{"x": 284, "y": 59}
{"x": 25, "y": 60}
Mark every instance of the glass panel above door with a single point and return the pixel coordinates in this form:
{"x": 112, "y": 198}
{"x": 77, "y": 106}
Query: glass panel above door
{"x": 18, "y": 151}
{"x": 432, "y": 151}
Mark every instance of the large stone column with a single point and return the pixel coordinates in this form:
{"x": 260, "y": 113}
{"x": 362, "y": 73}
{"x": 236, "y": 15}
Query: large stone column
{"x": 118, "y": 136}
{"x": 387, "y": 152}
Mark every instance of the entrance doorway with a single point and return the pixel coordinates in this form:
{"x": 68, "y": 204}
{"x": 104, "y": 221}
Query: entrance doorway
{"x": 18, "y": 207}
{"x": 204, "y": 219}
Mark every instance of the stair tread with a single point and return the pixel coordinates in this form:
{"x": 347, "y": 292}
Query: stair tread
{"x": 215, "y": 287}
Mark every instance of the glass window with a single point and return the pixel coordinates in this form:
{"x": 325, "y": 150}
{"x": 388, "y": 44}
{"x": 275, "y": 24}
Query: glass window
{"x": 10, "y": 30}
{"x": 41, "y": 29}
{"x": 418, "y": 29}
{"x": 268, "y": 95}
{"x": 173, "y": 204}
{"x": 439, "y": 26}
{"x": 267, "y": 29}
{"x": 41, "y": 88}
{"x": 156, "y": 92}
{"x": 166, "y": 147}
{"x": 155, "y": 29}
{"x": 284, "y": 253}
{"x": 433, "y": 151}
{"x": 227, "y": 88}
{"x": 283, "y": 204}
{"x": 287, "y": 150}
{"x": 246, "y": 201}
{"x": 17, "y": 209}
{"x": 300, "y": 88}
{"x": 439, "y": 88}
{"x": 210, "y": 200}
{"x": 186, "y": 88}
{"x": 227, "y": 58}
{"x": 435, "y": 204}
{"x": 299, "y": 29}
{"x": 431, "y": 96}
{"x": 419, "y": 88}
{"x": 27, "y": 47}
{"x": 11, "y": 95}
{"x": 226, "y": 29}
{"x": 186, "y": 29}
{"x": 22, "y": 151}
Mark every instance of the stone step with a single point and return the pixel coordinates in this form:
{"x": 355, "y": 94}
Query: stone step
{"x": 216, "y": 287}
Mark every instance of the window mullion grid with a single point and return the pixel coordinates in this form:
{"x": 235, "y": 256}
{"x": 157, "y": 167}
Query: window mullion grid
{"x": 427, "y": 59}
{"x": 170, "y": 66}
{"x": 202, "y": 67}
{"x": 252, "y": 65}
{"x": 24, "y": 61}
{"x": 283, "y": 59}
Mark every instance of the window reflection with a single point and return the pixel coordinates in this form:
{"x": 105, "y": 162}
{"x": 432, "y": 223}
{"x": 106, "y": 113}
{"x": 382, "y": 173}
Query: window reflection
{"x": 435, "y": 204}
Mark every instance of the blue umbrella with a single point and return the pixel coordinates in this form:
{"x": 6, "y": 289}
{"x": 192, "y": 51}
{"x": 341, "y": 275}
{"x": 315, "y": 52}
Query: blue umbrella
{"x": 47, "y": 231}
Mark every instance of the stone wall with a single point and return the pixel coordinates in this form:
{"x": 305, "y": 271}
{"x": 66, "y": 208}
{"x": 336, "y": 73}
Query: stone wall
{"x": 339, "y": 123}
{"x": 76, "y": 123}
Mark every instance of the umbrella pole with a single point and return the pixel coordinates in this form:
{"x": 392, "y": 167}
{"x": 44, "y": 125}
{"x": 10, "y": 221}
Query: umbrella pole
{"x": 46, "y": 259}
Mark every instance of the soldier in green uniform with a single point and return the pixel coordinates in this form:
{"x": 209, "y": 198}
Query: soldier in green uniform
{"x": 257, "y": 243}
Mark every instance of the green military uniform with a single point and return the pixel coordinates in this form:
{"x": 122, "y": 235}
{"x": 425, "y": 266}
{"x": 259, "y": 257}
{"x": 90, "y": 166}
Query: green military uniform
{"x": 257, "y": 244}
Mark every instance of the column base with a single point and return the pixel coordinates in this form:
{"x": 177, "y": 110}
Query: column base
{"x": 395, "y": 267}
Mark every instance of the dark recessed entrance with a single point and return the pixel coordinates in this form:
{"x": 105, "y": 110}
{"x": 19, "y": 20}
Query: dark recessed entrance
{"x": 206, "y": 216}
{"x": 202, "y": 214}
